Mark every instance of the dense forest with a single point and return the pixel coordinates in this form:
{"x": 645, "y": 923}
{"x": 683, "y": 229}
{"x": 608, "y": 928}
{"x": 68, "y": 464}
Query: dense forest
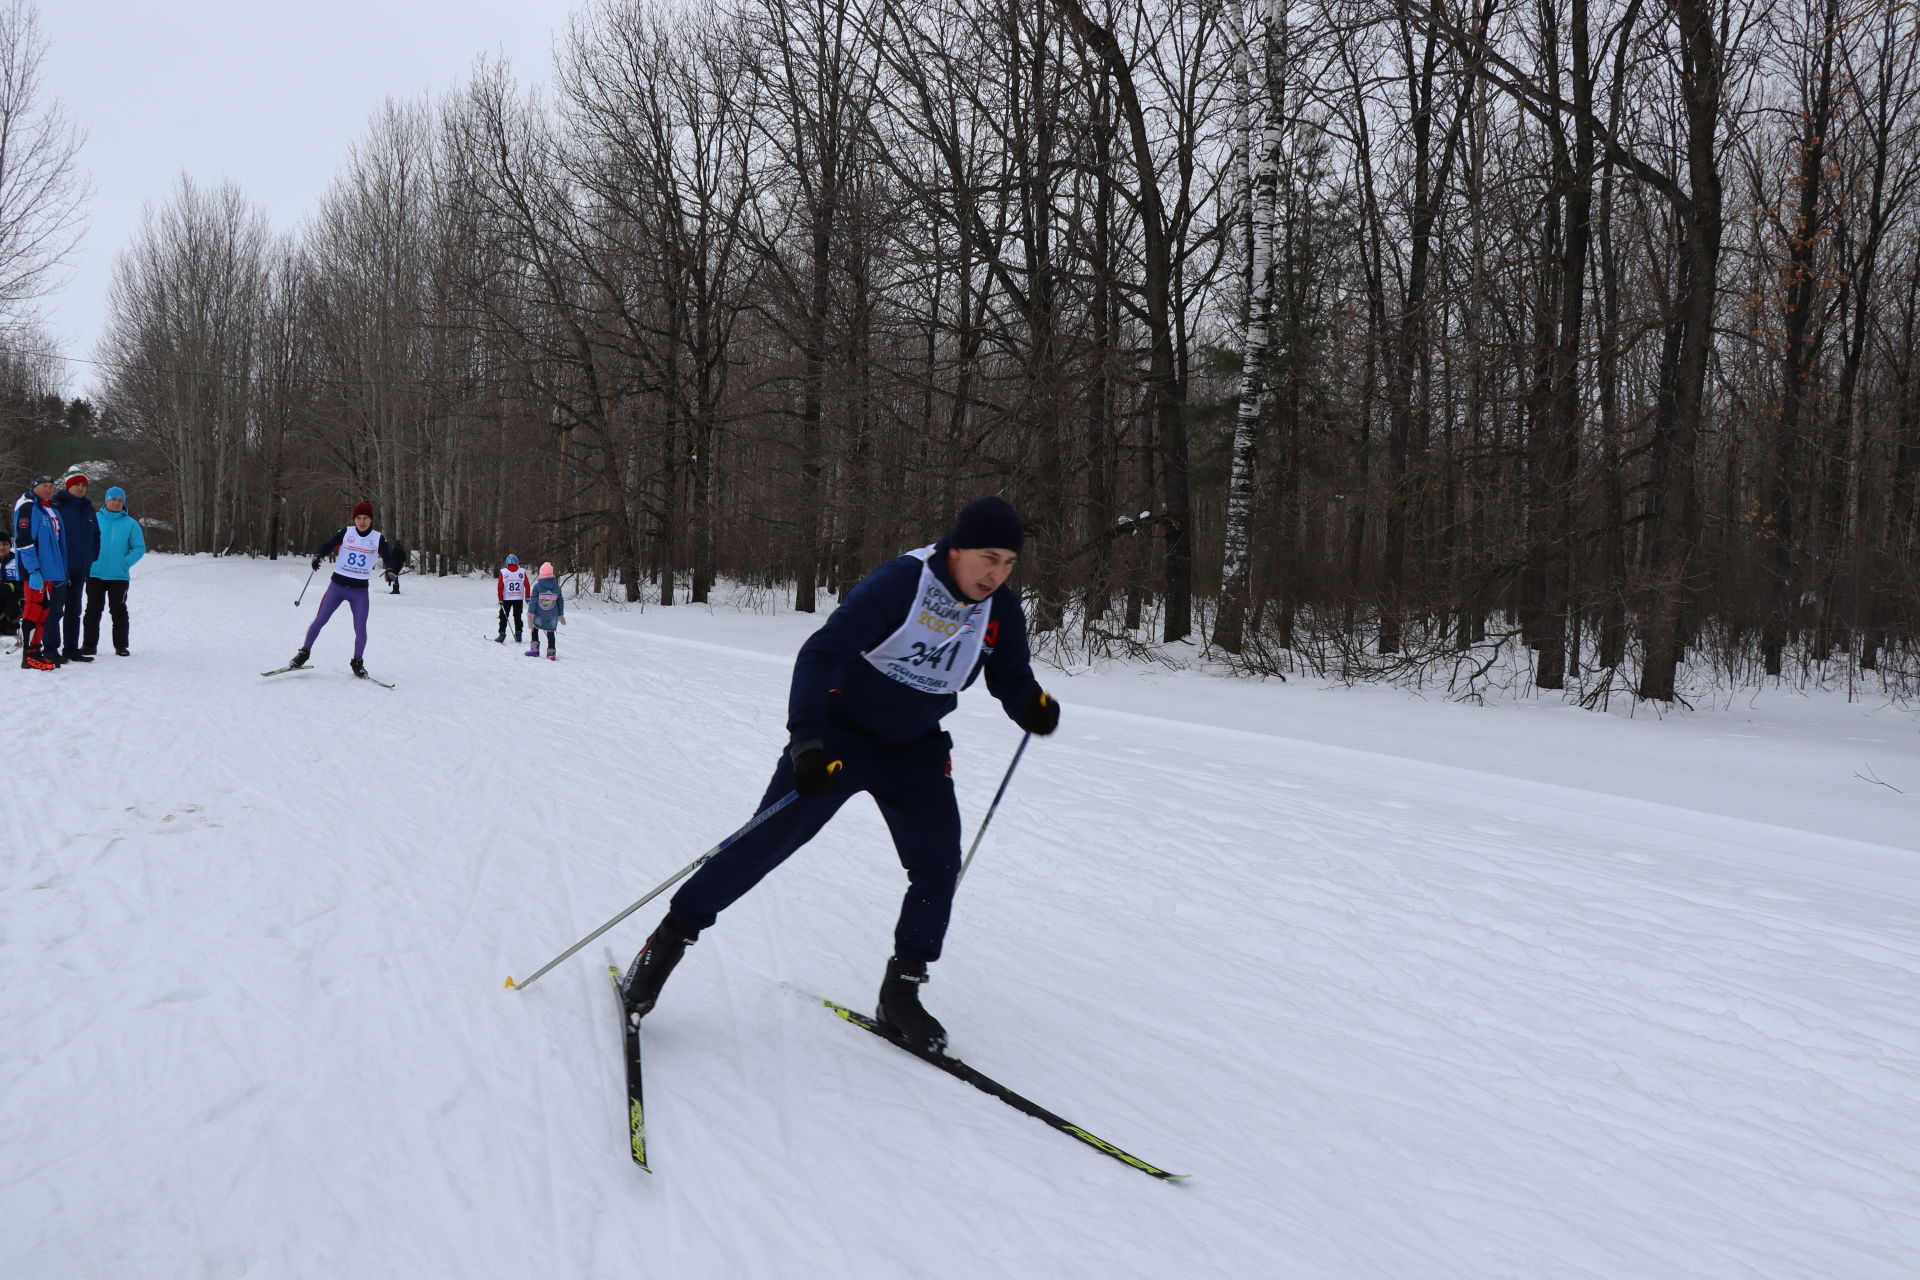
{"x": 1374, "y": 338}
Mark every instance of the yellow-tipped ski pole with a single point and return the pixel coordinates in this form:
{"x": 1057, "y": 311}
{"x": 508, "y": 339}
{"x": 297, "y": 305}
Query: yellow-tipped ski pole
{"x": 658, "y": 889}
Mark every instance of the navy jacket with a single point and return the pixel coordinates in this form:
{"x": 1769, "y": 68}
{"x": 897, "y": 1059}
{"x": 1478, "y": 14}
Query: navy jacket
{"x": 80, "y": 525}
{"x": 838, "y": 696}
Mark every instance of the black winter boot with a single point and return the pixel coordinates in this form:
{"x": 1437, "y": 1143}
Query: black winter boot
{"x": 900, "y": 1014}
{"x": 359, "y": 667}
{"x": 649, "y": 970}
{"x": 300, "y": 658}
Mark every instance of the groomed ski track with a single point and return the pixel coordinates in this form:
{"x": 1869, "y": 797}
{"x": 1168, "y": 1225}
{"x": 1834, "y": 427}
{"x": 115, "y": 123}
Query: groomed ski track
{"x": 1409, "y": 989}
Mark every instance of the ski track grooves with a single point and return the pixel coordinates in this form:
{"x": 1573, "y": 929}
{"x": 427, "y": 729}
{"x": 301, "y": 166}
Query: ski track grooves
{"x": 1395, "y": 1018}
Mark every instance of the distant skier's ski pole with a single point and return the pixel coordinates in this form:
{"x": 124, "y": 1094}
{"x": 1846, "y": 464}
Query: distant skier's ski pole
{"x": 660, "y": 888}
{"x": 303, "y": 588}
{"x": 968, "y": 861}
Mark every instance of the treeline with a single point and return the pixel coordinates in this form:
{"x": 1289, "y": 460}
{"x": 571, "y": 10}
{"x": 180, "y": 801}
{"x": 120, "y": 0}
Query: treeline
{"x": 1362, "y": 336}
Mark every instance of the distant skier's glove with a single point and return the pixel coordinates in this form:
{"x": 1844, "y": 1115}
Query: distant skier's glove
{"x": 393, "y": 579}
{"x": 1041, "y": 715}
{"x": 36, "y": 582}
{"x": 813, "y": 770}
{"x": 316, "y": 564}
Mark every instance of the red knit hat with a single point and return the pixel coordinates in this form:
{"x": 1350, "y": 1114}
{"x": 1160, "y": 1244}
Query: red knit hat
{"x": 74, "y": 478}
{"x": 363, "y": 509}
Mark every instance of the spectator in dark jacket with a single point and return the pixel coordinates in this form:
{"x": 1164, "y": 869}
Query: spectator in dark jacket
{"x": 9, "y": 586}
{"x": 81, "y": 528}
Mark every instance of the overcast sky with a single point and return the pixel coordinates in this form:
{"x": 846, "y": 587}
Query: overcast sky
{"x": 263, "y": 95}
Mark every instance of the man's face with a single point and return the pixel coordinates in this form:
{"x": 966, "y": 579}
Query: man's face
{"x": 363, "y": 523}
{"x": 78, "y": 488}
{"x": 115, "y": 504}
{"x": 980, "y": 571}
{"x": 44, "y": 492}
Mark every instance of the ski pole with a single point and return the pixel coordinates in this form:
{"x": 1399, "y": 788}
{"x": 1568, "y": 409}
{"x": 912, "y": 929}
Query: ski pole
{"x": 660, "y": 888}
{"x": 968, "y": 861}
{"x": 303, "y": 588}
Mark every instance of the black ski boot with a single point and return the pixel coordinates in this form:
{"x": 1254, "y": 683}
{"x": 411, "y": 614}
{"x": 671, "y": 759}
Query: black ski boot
{"x": 359, "y": 667}
{"x": 900, "y": 1014}
{"x": 300, "y": 659}
{"x": 649, "y": 970}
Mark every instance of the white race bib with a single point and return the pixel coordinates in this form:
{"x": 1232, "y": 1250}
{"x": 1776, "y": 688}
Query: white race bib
{"x": 357, "y": 553}
{"x": 513, "y": 583}
{"x": 936, "y": 648}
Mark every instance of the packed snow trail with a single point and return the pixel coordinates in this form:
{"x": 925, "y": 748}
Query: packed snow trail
{"x": 1396, "y": 1017}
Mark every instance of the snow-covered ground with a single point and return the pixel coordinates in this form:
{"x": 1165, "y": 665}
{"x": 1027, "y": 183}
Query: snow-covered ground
{"x": 1410, "y": 989}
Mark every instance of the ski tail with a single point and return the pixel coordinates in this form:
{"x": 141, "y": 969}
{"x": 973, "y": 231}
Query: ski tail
{"x": 630, "y": 1052}
{"x": 986, "y": 1084}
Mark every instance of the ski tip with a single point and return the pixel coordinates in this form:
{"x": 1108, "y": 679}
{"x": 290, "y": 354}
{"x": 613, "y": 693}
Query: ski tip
{"x": 511, "y": 984}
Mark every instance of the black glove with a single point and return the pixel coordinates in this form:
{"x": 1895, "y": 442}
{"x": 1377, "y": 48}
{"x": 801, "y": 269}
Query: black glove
{"x": 1041, "y": 714}
{"x": 316, "y": 564}
{"x": 393, "y": 579}
{"x": 813, "y": 769}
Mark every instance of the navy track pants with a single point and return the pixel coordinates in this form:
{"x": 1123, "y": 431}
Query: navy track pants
{"x": 915, "y": 797}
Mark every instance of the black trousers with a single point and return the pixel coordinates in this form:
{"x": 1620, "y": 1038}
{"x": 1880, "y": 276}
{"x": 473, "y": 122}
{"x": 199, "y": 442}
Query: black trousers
{"x": 516, "y": 608}
{"x": 9, "y": 607}
{"x": 916, "y": 799}
{"x": 68, "y": 633}
{"x": 108, "y": 593}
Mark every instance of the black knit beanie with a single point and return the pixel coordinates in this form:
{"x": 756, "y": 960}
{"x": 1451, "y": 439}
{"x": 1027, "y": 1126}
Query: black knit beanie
{"x": 987, "y": 522}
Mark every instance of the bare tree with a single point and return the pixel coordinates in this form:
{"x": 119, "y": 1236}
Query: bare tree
{"x": 41, "y": 192}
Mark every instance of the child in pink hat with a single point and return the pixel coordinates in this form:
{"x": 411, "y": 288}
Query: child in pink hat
{"x": 547, "y": 610}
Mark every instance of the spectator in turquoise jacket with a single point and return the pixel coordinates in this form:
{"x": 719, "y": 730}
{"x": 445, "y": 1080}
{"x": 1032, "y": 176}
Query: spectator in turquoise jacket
{"x": 121, "y": 546}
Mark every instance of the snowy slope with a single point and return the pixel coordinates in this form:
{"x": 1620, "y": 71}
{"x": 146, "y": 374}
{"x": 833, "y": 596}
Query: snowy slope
{"x": 1409, "y": 989}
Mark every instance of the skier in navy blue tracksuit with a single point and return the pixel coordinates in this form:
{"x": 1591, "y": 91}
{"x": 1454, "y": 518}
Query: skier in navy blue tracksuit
{"x": 870, "y": 688}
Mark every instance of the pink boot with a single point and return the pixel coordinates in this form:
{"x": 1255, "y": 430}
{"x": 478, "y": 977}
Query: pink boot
{"x": 535, "y": 651}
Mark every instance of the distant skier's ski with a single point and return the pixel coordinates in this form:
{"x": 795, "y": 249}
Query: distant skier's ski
{"x": 960, "y": 1070}
{"x": 382, "y": 683}
{"x": 630, "y": 1051}
{"x": 282, "y": 670}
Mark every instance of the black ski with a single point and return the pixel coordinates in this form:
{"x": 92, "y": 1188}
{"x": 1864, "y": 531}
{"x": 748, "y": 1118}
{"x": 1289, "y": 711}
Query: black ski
{"x": 960, "y": 1070}
{"x": 282, "y": 670}
{"x": 382, "y": 683}
{"x": 630, "y": 1052}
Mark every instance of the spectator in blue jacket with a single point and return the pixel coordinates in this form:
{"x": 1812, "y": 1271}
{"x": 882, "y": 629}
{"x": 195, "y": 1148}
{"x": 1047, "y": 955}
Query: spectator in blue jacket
{"x": 121, "y": 544}
{"x": 870, "y": 688}
{"x": 37, "y": 540}
{"x": 81, "y": 528}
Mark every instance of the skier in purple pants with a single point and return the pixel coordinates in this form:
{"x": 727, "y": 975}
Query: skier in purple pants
{"x": 357, "y": 545}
